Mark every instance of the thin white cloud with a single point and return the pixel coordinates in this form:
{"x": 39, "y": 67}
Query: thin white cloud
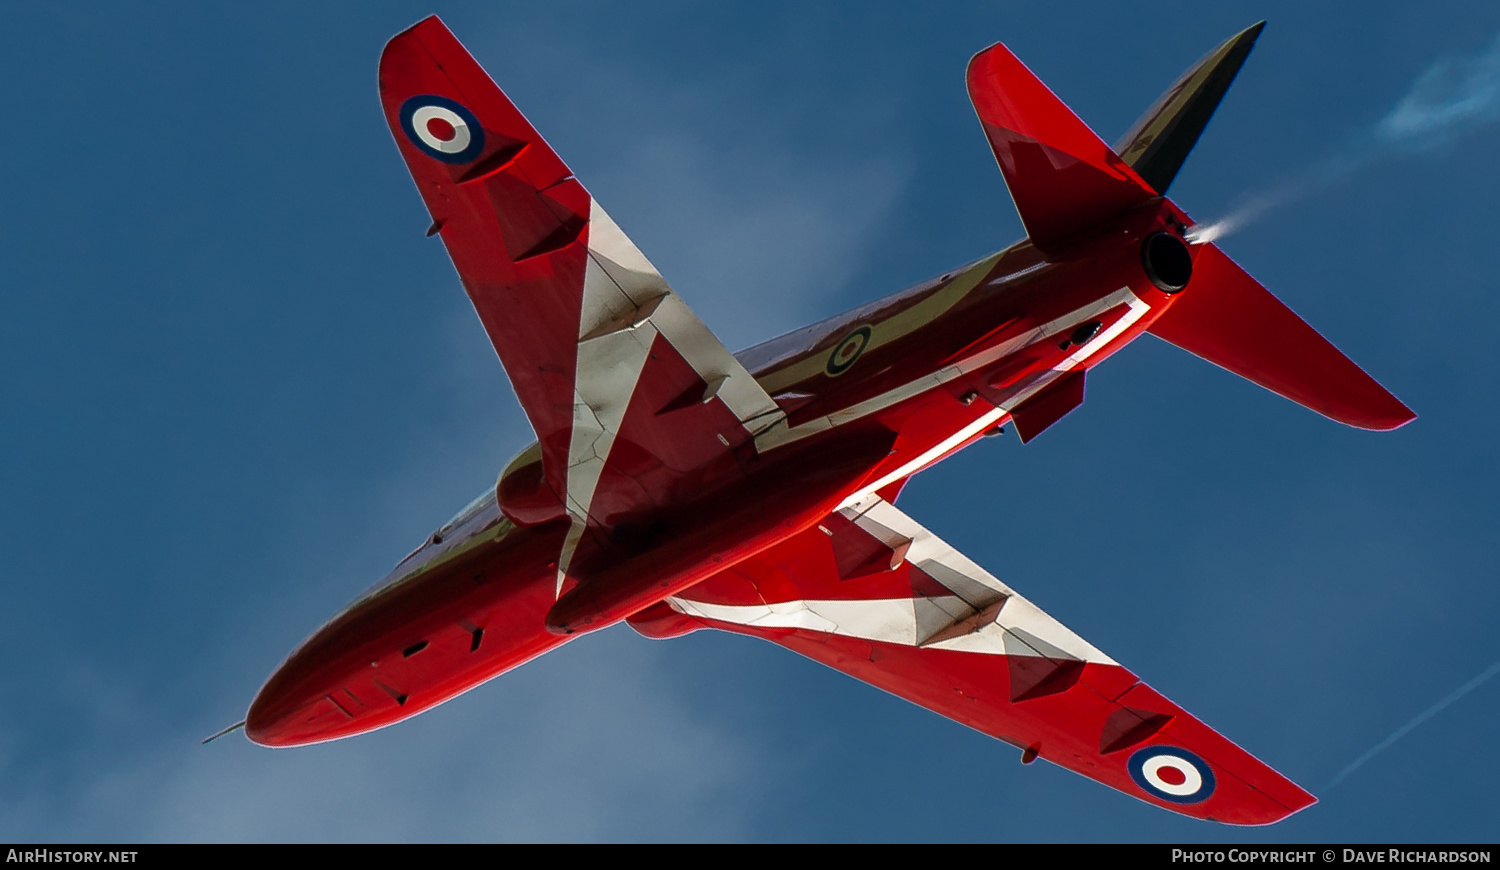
{"x": 755, "y": 225}
{"x": 1450, "y": 97}
{"x": 757, "y": 248}
{"x": 592, "y": 746}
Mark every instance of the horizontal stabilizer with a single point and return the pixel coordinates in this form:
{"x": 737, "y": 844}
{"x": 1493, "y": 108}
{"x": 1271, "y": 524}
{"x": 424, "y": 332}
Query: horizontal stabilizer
{"x": 1161, "y": 140}
{"x": 1062, "y": 176}
{"x": 1226, "y": 317}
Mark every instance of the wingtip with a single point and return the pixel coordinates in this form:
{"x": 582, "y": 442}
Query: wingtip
{"x": 1310, "y": 800}
{"x": 1286, "y": 805}
{"x": 1380, "y": 410}
{"x": 982, "y": 55}
{"x": 425, "y": 22}
{"x": 430, "y": 21}
{"x": 414, "y": 31}
{"x": 1393, "y": 422}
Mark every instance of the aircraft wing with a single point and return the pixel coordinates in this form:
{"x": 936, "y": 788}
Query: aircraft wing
{"x": 630, "y": 394}
{"x": 875, "y": 595}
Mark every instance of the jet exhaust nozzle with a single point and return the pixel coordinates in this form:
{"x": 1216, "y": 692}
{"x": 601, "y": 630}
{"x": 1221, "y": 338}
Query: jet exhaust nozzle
{"x": 1168, "y": 262}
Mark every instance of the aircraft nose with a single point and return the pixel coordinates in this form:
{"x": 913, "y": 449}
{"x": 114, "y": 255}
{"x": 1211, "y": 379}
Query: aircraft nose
{"x": 337, "y": 684}
{"x": 290, "y": 719}
{"x": 300, "y": 703}
{"x": 283, "y": 713}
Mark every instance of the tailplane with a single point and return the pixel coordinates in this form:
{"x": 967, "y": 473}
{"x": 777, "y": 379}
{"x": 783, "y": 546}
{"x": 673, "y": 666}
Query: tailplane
{"x": 1227, "y": 317}
{"x": 1063, "y": 177}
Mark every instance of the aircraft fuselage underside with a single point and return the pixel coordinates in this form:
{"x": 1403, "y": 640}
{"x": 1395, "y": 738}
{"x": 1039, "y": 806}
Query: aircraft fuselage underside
{"x": 679, "y": 487}
{"x": 937, "y": 368}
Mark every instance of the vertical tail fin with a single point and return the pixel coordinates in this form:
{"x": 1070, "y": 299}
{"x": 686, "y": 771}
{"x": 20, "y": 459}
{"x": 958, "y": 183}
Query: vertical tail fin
{"x": 1161, "y": 140}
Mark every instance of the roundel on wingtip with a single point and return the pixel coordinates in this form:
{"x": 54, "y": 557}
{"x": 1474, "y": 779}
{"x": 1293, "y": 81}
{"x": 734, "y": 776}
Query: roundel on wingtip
{"x": 1172, "y": 774}
{"x": 442, "y": 128}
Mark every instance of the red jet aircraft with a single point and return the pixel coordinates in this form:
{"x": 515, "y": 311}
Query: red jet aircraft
{"x": 678, "y": 487}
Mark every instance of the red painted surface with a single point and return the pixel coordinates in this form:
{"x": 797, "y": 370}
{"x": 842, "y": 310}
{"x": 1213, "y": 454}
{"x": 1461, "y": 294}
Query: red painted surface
{"x": 1246, "y": 330}
{"x": 347, "y": 678}
{"x": 1064, "y": 725}
{"x": 1064, "y": 179}
{"x": 777, "y": 501}
{"x": 689, "y": 499}
{"x": 1088, "y": 717}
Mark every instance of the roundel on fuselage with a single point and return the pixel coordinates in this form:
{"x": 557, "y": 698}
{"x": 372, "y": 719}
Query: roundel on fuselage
{"x": 848, "y": 351}
{"x": 442, "y": 128}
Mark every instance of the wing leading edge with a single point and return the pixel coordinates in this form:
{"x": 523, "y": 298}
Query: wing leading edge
{"x": 872, "y": 593}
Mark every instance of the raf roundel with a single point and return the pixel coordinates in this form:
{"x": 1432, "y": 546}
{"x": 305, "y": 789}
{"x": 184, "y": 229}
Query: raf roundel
{"x": 848, "y": 351}
{"x": 442, "y": 129}
{"x": 1172, "y": 774}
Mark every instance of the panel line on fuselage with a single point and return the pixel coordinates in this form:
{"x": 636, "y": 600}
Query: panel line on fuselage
{"x": 781, "y": 434}
{"x": 933, "y": 299}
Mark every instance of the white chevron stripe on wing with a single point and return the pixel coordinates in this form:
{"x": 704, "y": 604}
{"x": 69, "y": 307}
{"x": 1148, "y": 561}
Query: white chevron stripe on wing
{"x": 626, "y": 304}
{"x": 990, "y": 617}
{"x": 621, "y": 261}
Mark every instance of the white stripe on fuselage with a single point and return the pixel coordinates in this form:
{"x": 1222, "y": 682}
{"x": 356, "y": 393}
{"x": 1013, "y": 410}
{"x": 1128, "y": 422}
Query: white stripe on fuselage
{"x": 1138, "y": 309}
{"x": 782, "y": 434}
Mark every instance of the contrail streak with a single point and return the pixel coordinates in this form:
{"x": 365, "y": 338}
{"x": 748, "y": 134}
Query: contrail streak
{"x": 1406, "y": 729}
{"x": 1450, "y": 97}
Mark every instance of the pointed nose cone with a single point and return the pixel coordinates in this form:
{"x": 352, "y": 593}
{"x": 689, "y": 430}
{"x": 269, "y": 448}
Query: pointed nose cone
{"x": 280, "y": 724}
{"x": 291, "y": 710}
{"x": 313, "y": 696}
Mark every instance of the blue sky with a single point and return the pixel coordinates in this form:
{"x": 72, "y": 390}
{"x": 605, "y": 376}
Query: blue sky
{"x": 239, "y": 384}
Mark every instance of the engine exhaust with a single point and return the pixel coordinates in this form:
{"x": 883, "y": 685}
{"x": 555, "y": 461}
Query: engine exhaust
{"x": 1168, "y": 262}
